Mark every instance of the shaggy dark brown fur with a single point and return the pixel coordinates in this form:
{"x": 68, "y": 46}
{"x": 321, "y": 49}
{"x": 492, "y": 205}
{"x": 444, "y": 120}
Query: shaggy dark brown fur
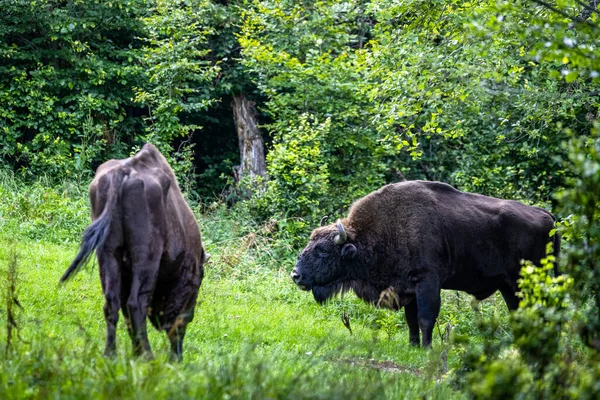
{"x": 408, "y": 240}
{"x": 148, "y": 246}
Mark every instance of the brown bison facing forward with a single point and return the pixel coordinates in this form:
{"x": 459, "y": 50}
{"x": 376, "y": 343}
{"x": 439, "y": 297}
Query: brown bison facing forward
{"x": 404, "y": 242}
{"x": 149, "y": 250}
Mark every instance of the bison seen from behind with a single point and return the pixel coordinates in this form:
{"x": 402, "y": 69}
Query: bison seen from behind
{"x": 402, "y": 244}
{"x": 148, "y": 246}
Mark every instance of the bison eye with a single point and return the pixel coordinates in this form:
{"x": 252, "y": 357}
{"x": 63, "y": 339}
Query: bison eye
{"x": 322, "y": 252}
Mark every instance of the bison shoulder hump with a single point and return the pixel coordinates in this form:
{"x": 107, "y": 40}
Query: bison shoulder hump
{"x": 529, "y": 215}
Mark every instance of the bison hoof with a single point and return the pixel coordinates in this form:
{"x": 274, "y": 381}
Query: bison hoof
{"x": 110, "y": 353}
{"x": 145, "y": 355}
{"x": 175, "y": 358}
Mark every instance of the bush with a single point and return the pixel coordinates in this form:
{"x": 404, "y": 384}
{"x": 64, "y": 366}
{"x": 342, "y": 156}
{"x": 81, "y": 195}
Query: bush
{"x": 66, "y": 83}
{"x": 299, "y": 177}
{"x": 543, "y": 359}
{"x": 581, "y": 200}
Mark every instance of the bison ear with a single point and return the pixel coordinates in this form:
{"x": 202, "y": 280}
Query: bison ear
{"x": 348, "y": 251}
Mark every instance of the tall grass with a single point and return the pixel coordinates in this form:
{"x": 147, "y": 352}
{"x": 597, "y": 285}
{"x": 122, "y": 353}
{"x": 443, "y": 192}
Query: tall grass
{"x": 255, "y": 335}
{"x": 36, "y": 210}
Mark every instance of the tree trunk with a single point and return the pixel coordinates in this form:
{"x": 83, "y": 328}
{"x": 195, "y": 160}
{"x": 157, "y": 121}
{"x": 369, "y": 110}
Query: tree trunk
{"x": 252, "y": 147}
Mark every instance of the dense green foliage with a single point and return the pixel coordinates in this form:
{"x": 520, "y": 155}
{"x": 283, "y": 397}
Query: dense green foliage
{"x": 299, "y": 181}
{"x": 68, "y": 74}
{"x": 558, "y": 316}
{"x": 83, "y": 81}
{"x": 473, "y": 93}
{"x": 477, "y": 94}
{"x": 582, "y": 201}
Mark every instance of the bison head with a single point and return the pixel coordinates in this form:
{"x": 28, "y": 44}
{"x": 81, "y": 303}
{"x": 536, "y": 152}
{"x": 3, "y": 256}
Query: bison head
{"x": 322, "y": 265}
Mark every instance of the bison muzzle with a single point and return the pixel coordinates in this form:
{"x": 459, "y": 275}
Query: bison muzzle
{"x": 402, "y": 244}
{"x": 149, "y": 249}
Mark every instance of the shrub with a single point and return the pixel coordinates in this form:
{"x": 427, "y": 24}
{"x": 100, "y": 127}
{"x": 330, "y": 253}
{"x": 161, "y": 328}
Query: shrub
{"x": 543, "y": 359}
{"x": 299, "y": 176}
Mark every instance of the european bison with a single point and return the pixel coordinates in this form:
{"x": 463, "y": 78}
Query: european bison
{"x": 149, "y": 250}
{"x": 404, "y": 242}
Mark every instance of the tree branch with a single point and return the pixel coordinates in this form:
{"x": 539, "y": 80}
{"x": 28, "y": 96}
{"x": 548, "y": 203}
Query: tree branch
{"x": 588, "y": 9}
{"x": 576, "y": 19}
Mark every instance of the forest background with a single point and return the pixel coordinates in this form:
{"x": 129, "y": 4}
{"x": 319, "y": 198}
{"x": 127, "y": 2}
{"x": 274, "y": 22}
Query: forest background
{"x": 494, "y": 97}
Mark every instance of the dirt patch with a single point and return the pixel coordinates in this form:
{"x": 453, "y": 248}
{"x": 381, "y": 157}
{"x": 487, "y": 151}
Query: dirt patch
{"x": 386, "y": 366}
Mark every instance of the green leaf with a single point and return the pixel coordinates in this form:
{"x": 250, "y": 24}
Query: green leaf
{"x": 571, "y": 76}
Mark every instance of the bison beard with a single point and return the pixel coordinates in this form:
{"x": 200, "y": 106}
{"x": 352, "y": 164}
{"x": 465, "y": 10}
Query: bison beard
{"x": 386, "y": 298}
{"x": 402, "y": 244}
{"x": 149, "y": 249}
{"x": 324, "y": 293}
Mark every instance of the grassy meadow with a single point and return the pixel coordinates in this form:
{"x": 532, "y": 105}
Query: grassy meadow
{"x": 254, "y": 336}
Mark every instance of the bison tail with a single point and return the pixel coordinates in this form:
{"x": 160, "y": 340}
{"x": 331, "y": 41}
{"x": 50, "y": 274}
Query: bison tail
{"x": 95, "y": 234}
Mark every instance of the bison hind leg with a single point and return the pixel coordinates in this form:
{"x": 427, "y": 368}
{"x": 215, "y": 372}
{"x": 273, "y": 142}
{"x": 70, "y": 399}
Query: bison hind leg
{"x": 125, "y": 291}
{"x": 510, "y": 298}
{"x": 110, "y": 275}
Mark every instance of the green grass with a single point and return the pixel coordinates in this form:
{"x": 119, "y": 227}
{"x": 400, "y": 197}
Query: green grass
{"x": 255, "y": 335}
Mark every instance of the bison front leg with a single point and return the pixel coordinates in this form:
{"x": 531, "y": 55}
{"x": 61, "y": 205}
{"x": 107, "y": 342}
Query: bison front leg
{"x": 428, "y": 306}
{"x": 412, "y": 320}
{"x": 509, "y": 293}
{"x": 176, "y": 330}
{"x": 176, "y": 334}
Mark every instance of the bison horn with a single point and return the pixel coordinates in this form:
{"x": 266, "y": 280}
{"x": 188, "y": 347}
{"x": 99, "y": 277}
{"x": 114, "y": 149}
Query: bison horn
{"x": 324, "y": 220}
{"x": 341, "y": 237}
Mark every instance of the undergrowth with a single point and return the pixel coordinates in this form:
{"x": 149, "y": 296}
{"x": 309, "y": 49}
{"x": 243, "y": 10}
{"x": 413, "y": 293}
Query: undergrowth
{"x": 38, "y": 211}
